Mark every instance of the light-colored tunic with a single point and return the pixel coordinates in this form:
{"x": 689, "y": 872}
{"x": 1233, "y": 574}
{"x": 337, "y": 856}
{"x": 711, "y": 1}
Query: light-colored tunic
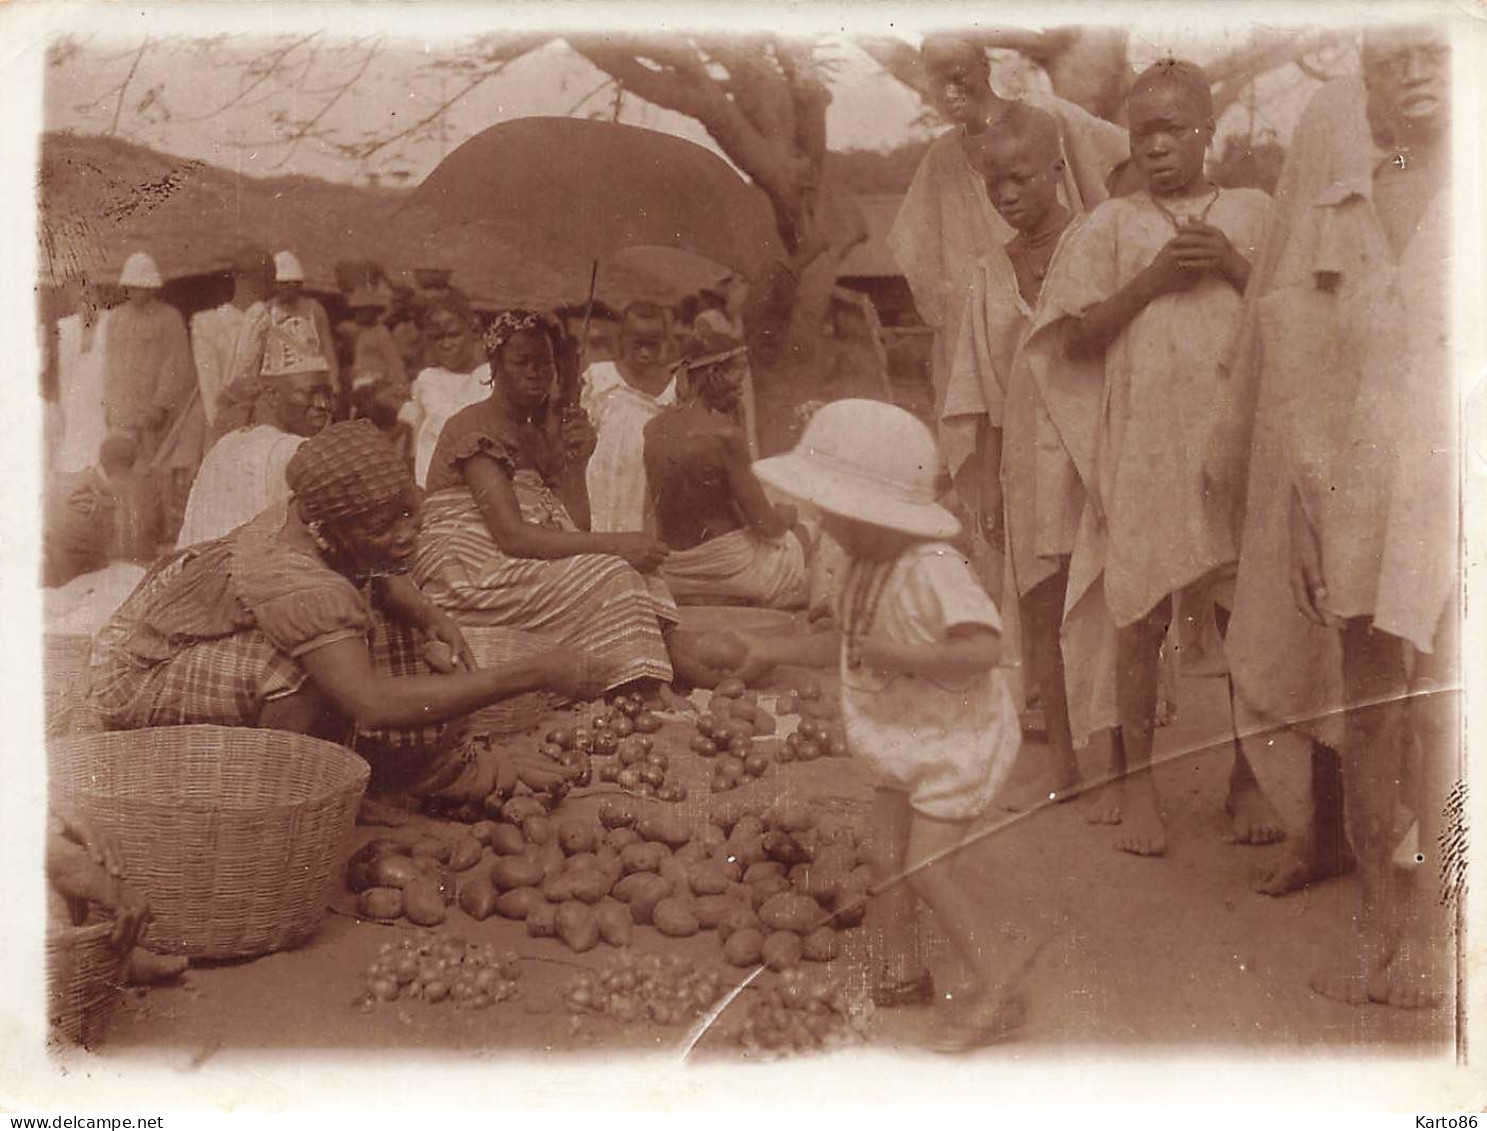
{"x": 1010, "y": 370}
{"x": 240, "y": 478}
{"x": 214, "y": 341}
{"x": 1160, "y": 517}
{"x": 948, "y": 744}
{"x": 619, "y": 413}
{"x": 947, "y": 222}
{"x": 1347, "y": 360}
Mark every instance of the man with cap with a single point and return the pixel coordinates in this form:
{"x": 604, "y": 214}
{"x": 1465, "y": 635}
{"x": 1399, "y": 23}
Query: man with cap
{"x": 149, "y": 387}
{"x": 148, "y": 373}
{"x": 243, "y": 474}
{"x": 215, "y": 333}
{"x": 238, "y": 403}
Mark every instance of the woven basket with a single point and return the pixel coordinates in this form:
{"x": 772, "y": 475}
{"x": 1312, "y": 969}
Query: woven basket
{"x": 236, "y": 836}
{"x": 519, "y": 714}
{"x": 64, "y": 683}
{"x": 84, "y": 982}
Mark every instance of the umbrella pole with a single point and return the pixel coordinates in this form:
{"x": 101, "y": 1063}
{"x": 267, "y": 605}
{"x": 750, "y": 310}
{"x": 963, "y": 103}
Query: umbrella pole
{"x": 588, "y": 313}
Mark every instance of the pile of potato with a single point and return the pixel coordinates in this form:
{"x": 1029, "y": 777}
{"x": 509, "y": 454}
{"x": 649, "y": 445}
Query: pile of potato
{"x": 435, "y": 969}
{"x": 735, "y": 721}
{"x": 397, "y": 877}
{"x": 799, "y": 1015}
{"x": 628, "y": 988}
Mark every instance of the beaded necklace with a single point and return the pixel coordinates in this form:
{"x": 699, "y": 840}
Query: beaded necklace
{"x": 866, "y": 584}
{"x": 1173, "y": 220}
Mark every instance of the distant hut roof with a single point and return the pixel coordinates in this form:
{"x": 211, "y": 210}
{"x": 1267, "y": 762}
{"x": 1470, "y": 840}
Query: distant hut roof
{"x": 871, "y": 258}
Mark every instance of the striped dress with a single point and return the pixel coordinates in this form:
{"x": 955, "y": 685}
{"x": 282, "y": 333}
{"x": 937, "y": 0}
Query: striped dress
{"x": 597, "y": 603}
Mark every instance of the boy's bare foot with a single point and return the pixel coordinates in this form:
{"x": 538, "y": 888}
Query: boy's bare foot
{"x": 1413, "y": 979}
{"x": 1252, "y": 819}
{"x": 1105, "y": 805}
{"x": 1303, "y": 862}
{"x": 145, "y": 968}
{"x": 1348, "y": 981}
{"x": 1142, "y": 832}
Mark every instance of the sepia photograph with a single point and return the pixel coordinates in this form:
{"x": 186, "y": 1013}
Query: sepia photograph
{"x": 936, "y": 533}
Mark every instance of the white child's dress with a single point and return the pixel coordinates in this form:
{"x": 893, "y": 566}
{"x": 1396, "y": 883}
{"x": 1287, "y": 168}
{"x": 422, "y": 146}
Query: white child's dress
{"x": 438, "y": 394}
{"x": 949, "y": 744}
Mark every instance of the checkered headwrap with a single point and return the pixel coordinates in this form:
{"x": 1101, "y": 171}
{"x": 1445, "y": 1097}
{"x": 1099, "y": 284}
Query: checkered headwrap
{"x": 347, "y": 470}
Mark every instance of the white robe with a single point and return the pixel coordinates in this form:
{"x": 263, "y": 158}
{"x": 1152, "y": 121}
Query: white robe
{"x": 619, "y": 413}
{"x": 438, "y": 394}
{"x": 214, "y": 342}
{"x": 240, "y": 478}
{"x": 81, "y": 395}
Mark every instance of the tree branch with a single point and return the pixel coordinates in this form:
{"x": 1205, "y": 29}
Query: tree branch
{"x": 139, "y": 55}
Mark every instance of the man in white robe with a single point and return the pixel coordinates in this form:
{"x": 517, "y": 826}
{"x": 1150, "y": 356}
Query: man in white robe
{"x": 215, "y": 333}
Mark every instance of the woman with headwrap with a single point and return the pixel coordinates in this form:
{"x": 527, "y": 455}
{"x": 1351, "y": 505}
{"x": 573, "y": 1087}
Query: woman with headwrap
{"x": 272, "y": 626}
{"x": 499, "y": 545}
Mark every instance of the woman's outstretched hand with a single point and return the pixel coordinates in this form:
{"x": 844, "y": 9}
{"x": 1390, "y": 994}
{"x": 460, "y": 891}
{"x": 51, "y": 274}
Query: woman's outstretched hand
{"x": 641, "y": 550}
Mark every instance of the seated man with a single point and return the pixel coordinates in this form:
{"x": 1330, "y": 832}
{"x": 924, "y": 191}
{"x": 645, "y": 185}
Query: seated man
{"x": 243, "y": 474}
{"x": 729, "y": 544}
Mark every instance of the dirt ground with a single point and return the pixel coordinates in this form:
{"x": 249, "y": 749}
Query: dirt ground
{"x": 1148, "y": 953}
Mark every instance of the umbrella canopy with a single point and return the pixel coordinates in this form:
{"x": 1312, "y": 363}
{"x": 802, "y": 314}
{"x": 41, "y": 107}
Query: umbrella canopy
{"x": 563, "y": 192}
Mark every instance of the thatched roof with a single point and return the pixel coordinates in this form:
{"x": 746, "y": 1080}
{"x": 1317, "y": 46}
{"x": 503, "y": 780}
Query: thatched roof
{"x": 103, "y": 198}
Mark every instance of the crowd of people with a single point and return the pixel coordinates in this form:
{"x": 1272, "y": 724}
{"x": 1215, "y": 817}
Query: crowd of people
{"x": 1161, "y": 399}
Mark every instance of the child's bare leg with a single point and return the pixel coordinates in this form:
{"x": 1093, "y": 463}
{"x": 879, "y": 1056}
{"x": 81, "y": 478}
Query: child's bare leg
{"x": 1252, "y": 818}
{"x": 958, "y": 910}
{"x": 894, "y": 909}
{"x": 1138, "y": 648}
{"x": 1373, "y": 680}
{"x": 1321, "y": 851}
{"x": 1042, "y": 615}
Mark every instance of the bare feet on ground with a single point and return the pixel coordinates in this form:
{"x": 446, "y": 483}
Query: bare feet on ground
{"x": 1105, "y": 805}
{"x": 1305, "y": 861}
{"x": 1142, "y": 832}
{"x": 1252, "y": 819}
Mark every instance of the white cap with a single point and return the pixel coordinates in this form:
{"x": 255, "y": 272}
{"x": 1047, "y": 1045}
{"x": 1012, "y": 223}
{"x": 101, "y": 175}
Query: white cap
{"x": 287, "y": 268}
{"x": 140, "y": 271}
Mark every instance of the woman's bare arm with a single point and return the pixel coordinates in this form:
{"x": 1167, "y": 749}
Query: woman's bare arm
{"x": 344, "y": 674}
{"x": 766, "y": 519}
{"x": 496, "y": 498}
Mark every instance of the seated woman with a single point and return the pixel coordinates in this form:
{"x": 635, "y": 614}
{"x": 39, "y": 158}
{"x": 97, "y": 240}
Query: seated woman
{"x": 729, "y": 543}
{"x": 499, "y": 545}
{"x": 271, "y": 626}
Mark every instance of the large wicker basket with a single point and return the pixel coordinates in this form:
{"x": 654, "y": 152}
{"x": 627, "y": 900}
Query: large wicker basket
{"x": 84, "y": 982}
{"x": 236, "y": 836}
